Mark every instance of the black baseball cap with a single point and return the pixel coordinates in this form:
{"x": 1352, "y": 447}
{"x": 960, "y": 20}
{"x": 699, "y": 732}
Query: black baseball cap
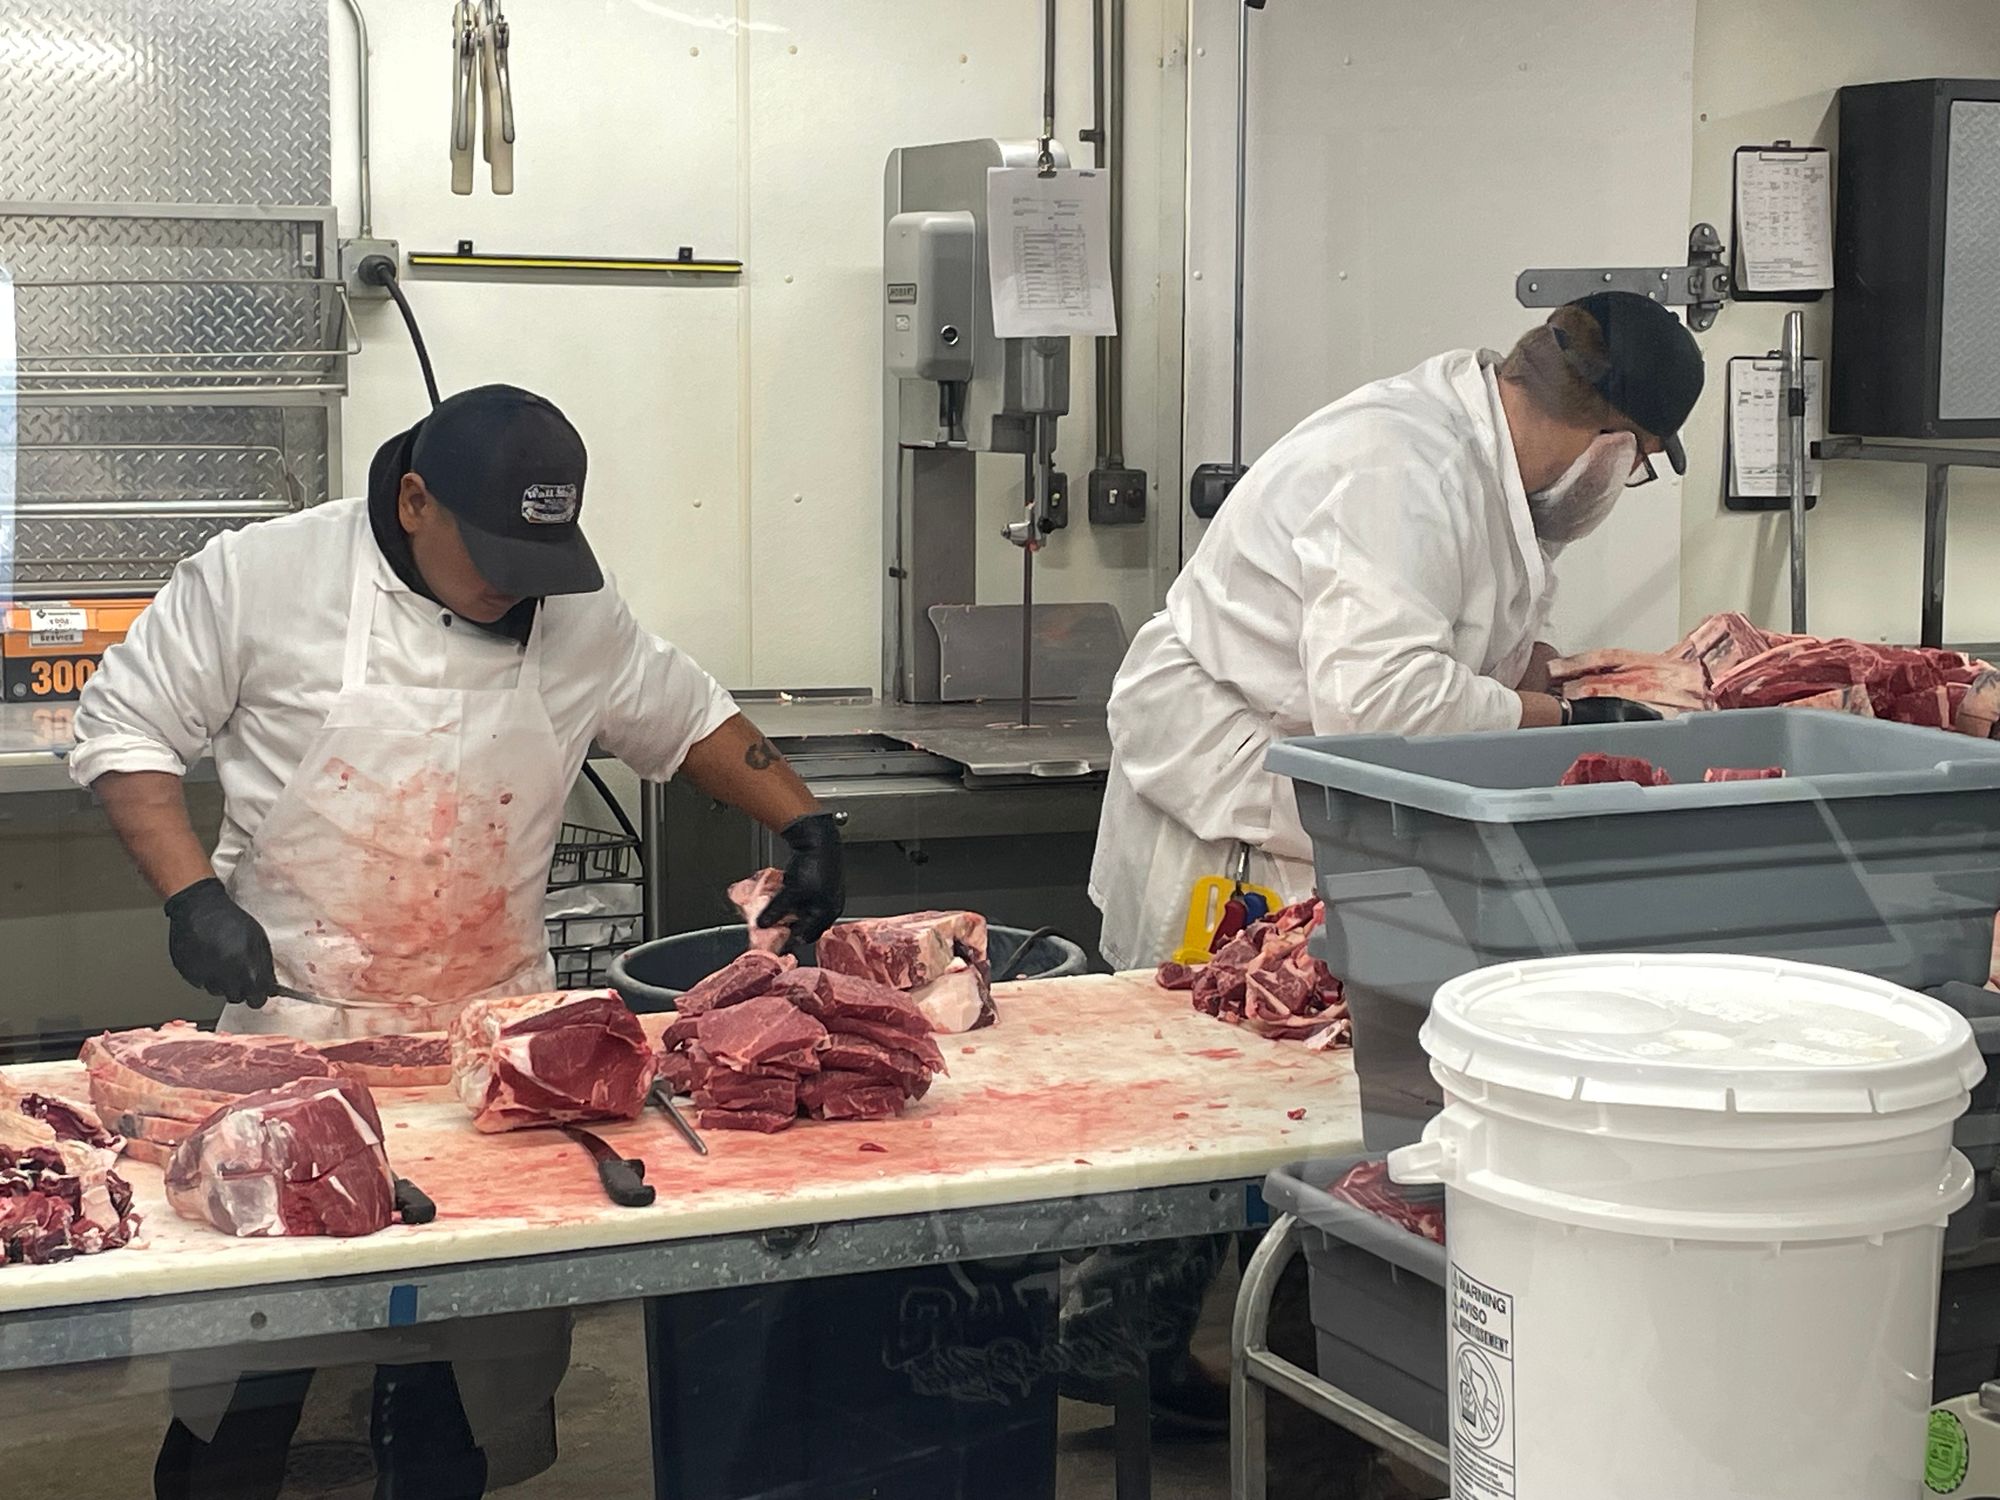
{"x": 509, "y": 468}
{"x": 1653, "y": 373}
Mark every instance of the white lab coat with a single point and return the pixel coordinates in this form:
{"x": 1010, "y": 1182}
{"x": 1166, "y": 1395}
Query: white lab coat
{"x": 1376, "y": 571}
{"x": 365, "y": 738}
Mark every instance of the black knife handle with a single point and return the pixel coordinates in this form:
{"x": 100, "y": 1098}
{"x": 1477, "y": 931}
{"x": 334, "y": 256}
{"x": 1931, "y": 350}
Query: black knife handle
{"x": 413, "y": 1204}
{"x": 624, "y": 1182}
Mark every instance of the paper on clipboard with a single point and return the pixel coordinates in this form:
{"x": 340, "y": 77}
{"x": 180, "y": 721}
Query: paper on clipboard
{"x": 1049, "y": 252}
{"x": 1784, "y": 221}
{"x": 1758, "y": 458}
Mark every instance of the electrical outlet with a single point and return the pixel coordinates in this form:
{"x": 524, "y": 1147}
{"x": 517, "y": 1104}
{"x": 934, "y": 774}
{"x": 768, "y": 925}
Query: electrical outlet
{"x": 352, "y": 254}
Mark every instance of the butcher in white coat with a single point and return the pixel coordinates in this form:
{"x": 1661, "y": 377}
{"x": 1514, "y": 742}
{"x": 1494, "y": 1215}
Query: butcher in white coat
{"x": 1386, "y": 567}
{"x": 398, "y": 693}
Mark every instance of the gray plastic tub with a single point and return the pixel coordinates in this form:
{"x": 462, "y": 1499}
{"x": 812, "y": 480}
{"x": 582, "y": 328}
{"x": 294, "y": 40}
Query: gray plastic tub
{"x": 1880, "y": 852}
{"x": 653, "y": 975}
{"x": 1377, "y": 1294}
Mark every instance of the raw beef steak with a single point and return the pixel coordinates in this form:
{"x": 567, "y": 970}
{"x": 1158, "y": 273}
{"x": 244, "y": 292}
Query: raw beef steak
{"x": 743, "y": 979}
{"x": 553, "y": 1059}
{"x": 419, "y": 1060}
{"x": 750, "y": 897}
{"x": 938, "y": 958}
{"x": 305, "y": 1158}
{"x": 153, "y": 1086}
{"x": 1595, "y": 769}
{"x": 1367, "y": 1186}
{"x": 757, "y": 1062}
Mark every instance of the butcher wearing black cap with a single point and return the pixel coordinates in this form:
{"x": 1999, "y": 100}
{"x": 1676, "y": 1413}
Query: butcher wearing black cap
{"x": 398, "y": 692}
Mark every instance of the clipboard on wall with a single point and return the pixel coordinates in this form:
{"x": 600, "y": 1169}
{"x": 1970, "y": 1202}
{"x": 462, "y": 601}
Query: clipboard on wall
{"x": 1781, "y": 207}
{"x": 1754, "y": 467}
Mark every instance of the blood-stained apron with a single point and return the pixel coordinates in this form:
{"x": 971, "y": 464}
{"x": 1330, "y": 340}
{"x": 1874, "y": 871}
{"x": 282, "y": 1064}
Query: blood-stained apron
{"x": 406, "y": 860}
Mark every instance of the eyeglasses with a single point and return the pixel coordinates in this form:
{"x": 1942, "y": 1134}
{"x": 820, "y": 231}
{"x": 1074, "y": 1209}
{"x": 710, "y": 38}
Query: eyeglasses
{"x": 1643, "y": 472}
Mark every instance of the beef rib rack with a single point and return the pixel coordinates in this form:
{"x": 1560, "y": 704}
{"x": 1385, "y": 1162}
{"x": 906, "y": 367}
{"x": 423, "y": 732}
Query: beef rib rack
{"x": 154, "y": 1086}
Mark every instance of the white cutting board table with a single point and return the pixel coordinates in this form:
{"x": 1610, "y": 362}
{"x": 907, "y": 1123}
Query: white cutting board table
{"x": 1094, "y": 1085}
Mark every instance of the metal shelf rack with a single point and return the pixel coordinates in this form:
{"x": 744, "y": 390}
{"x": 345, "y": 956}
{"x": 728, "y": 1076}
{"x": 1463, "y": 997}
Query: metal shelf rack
{"x": 179, "y": 373}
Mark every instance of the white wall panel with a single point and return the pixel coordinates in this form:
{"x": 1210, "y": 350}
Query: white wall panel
{"x": 1765, "y": 70}
{"x": 761, "y": 133}
{"x": 1406, "y": 162}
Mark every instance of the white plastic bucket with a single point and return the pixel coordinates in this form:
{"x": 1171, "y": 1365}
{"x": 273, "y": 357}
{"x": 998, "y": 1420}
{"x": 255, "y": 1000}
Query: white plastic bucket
{"x": 1695, "y": 1210}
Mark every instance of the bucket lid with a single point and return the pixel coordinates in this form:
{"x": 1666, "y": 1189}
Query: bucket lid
{"x": 1704, "y": 1032}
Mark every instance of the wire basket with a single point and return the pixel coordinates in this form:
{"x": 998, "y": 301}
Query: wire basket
{"x": 593, "y": 856}
{"x": 606, "y": 865}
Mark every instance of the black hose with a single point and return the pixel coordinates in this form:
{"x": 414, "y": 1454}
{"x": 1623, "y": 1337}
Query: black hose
{"x": 617, "y": 809}
{"x": 1006, "y": 971}
{"x": 381, "y": 270}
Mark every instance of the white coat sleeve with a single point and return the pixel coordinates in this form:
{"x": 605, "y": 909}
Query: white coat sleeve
{"x": 167, "y": 689}
{"x": 660, "y": 701}
{"x": 1382, "y": 570}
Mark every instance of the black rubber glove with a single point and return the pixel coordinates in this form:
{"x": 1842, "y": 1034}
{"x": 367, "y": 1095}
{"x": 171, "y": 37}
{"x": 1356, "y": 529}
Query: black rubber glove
{"x": 815, "y": 890}
{"x": 1607, "y": 711}
{"x": 218, "y": 946}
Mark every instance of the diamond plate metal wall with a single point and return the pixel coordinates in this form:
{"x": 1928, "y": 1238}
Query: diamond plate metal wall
{"x": 200, "y": 106}
{"x": 165, "y": 101}
{"x": 1969, "y": 352}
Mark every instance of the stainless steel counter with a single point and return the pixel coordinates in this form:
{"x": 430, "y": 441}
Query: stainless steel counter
{"x": 1071, "y": 739}
{"x": 35, "y": 739}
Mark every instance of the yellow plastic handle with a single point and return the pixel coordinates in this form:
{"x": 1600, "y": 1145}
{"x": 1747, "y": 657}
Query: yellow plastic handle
{"x": 1205, "y": 903}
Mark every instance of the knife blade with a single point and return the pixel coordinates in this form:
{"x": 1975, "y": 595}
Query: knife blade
{"x": 663, "y": 1096}
{"x": 286, "y": 992}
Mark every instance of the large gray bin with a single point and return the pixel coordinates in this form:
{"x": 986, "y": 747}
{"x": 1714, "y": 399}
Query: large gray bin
{"x": 1377, "y": 1295}
{"x": 1880, "y": 852}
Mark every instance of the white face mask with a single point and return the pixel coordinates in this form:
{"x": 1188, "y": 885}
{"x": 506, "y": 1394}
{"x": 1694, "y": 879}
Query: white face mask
{"x": 1577, "y": 503}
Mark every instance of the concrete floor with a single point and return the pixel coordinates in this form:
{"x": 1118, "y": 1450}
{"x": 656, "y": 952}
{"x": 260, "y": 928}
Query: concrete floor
{"x": 91, "y": 1432}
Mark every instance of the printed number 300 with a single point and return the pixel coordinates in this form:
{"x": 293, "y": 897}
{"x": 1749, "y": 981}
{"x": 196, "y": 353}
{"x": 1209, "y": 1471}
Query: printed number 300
{"x": 62, "y": 675}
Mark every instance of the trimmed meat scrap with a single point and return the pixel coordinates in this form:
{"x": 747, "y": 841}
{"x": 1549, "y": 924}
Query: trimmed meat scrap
{"x": 750, "y": 897}
{"x": 1267, "y": 980}
{"x": 1755, "y": 773}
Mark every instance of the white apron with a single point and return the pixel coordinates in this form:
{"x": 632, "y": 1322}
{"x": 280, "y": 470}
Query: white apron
{"x": 406, "y": 860}
{"x": 1147, "y": 858}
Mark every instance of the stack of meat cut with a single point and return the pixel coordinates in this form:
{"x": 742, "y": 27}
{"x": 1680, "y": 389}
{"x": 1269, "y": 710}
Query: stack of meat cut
{"x": 555, "y": 1059}
{"x": 419, "y": 1059}
{"x": 937, "y": 958}
{"x": 59, "y": 1195}
{"x": 1596, "y": 769}
{"x": 154, "y": 1086}
{"x": 1727, "y": 662}
{"x": 305, "y": 1158}
{"x": 763, "y": 1041}
{"x": 1266, "y": 980}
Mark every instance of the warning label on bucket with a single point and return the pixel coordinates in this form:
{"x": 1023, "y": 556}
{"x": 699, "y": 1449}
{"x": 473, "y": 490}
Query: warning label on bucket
{"x": 1482, "y": 1390}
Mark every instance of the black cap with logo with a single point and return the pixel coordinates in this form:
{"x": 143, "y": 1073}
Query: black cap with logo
{"x": 509, "y": 468}
{"x": 1653, "y": 374}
